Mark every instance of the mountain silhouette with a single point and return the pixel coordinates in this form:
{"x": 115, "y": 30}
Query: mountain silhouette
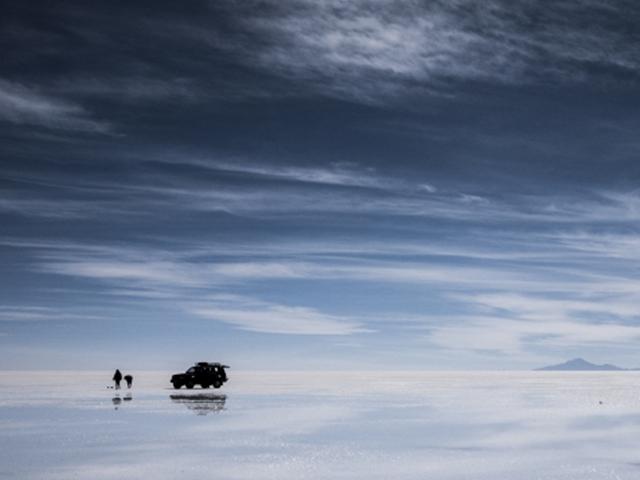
{"x": 580, "y": 364}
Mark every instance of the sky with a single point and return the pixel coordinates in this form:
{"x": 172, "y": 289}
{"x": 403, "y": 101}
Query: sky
{"x": 297, "y": 184}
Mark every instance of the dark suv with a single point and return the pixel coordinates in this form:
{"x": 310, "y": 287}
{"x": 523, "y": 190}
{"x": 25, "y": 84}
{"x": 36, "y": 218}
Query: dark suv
{"x": 202, "y": 373}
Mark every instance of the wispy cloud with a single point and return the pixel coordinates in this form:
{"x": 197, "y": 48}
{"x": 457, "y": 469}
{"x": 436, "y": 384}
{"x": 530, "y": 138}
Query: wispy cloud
{"x": 545, "y": 308}
{"x": 289, "y": 190}
{"x": 514, "y": 337}
{"x": 22, "y": 105}
{"x": 13, "y": 314}
{"x": 57, "y": 209}
{"x": 151, "y": 272}
{"x": 532, "y": 264}
{"x": 509, "y": 323}
{"x": 372, "y": 50}
{"x": 192, "y": 273}
{"x": 130, "y": 88}
{"x": 399, "y": 199}
{"x": 363, "y": 50}
{"x": 186, "y": 281}
{"x": 23, "y": 313}
{"x": 336, "y": 173}
{"x": 516, "y": 304}
{"x": 256, "y": 316}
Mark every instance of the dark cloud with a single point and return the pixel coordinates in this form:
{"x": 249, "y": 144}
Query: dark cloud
{"x": 366, "y": 50}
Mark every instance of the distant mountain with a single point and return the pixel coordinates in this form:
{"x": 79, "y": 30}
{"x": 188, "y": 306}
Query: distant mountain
{"x": 579, "y": 364}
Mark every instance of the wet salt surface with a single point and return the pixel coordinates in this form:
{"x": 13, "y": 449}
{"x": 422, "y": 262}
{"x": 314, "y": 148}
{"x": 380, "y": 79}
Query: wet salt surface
{"x": 287, "y": 425}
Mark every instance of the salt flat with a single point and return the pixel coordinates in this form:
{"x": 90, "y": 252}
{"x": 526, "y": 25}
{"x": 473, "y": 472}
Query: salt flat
{"x": 292, "y": 425}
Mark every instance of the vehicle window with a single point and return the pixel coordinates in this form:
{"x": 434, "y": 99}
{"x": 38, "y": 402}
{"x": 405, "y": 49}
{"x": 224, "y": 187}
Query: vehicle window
{"x": 191, "y": 370}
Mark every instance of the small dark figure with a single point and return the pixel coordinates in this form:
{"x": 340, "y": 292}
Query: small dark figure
{"x": 129, "y": 380}
{"x": 116, "y": 378}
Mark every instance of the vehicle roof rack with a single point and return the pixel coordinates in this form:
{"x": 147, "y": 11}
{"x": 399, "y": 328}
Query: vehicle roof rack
{"x": 211, "y": 364}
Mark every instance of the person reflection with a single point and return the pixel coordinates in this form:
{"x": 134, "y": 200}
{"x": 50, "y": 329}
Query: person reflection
{"x": 201, "y": 404}
{"x": 117, "y": 399}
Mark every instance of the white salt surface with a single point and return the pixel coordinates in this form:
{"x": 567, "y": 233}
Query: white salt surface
{"x": 288, "y": 425}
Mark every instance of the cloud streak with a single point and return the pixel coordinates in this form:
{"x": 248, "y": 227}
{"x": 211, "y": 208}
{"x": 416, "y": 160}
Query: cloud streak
{"x": 265, "y": 317}
{"x": 362, "y": 50}
{"x": 517, "y": 304}
{"x": 23, "y": 313}
{"x": 289, "y": 190}
{"x": 22, "y": 105}
{"x": 372, "y": 50}
{"x": 516, "y": 337}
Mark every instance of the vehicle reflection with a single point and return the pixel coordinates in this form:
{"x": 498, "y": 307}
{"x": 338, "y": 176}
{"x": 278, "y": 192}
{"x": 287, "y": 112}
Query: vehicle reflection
{"x": 201, "y": 403}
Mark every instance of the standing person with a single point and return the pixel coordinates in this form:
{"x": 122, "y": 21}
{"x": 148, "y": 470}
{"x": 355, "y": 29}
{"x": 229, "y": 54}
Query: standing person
{"x": 129, "y": 379}
{"x": 116, "y": 378}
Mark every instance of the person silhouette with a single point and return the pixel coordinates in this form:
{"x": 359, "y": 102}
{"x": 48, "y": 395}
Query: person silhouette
{"x": 129, "y": 379}
{"x": 116, "y": 378}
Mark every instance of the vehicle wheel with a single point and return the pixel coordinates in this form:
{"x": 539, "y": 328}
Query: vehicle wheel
{"x": 176, "y": 385}
{"x": 189, "y": 385}
{"x": 217, "y": 384}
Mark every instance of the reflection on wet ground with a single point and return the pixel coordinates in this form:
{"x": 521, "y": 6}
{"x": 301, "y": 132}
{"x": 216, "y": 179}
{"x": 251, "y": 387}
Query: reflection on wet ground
{"x": 287, "y": 426}
{"x": 117, "y": 399}
{"x": 201, "y": 403}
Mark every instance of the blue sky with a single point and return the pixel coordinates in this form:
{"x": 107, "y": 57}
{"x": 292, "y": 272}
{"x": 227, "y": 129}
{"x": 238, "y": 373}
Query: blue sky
{"x": 298, "y": 184}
